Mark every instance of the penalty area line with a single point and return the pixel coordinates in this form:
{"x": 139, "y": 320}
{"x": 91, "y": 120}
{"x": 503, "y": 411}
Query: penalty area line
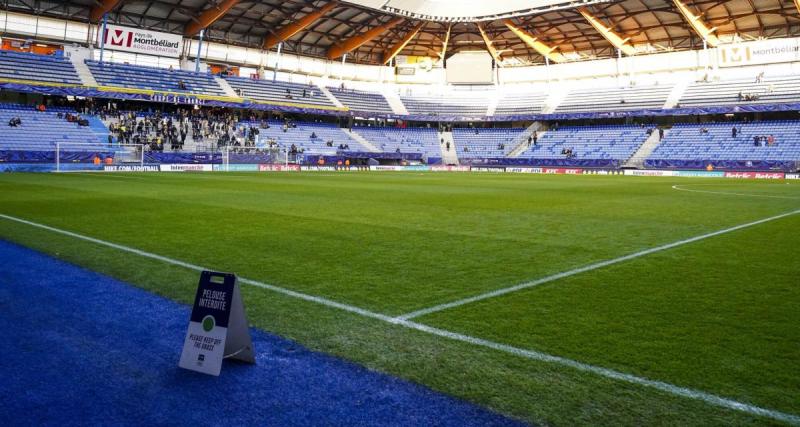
{"x": 584, "y": 269}
{"x": 725, "y": 193}
{"x": 527, "y": 354}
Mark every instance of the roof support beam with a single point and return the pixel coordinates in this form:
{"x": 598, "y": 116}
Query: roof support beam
{"x": 608, "y": 33}
{"x": 295, "y": 27}
{"x": 101, "y": 9}
{"x": 489, "y": 45}
{"x": 446, "y": 41}
{"x": 208, "y": 17}
{"x": 356, "y": 41}
{"x": 534, "y": 43}
{"x": 700, "y": 27}
{"x": 391, "y": 53}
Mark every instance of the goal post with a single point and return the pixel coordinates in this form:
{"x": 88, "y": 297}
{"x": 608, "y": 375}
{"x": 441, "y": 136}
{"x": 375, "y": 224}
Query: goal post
{"x": 83, "y": 157}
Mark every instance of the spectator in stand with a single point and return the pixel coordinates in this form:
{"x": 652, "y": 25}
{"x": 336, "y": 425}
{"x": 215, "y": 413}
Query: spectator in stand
{"x": 733, "y": 132}
{"x": 770, "y": 140}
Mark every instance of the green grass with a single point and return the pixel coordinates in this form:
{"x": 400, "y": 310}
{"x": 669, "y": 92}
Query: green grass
{"x": 719, "y": 315}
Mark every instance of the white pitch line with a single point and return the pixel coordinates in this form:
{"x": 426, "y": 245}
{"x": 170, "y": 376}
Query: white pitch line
{"x": 610, "y": 373}
{"x": 527, "y": 354}
{"x": 590, "y": 267}
{"x": 678, "y": 187}
{"x": 311, "y": 298}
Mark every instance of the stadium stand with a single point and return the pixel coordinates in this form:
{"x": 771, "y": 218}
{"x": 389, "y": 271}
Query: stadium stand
{"x": 615, "y": 99}
{"x": 40, "y": 68}
{"x": 520, "y": 103}
{"x": 480, "y": 143}
{"x": 153, "y": 78}
{"x": 301, "y": 137}
{"x": 464, "y": 104}
{"x": 359, "y": 100}
{"x": 41, "y": 130}
{"x": 766, "y": 90}
{"x": 278, "y": 91}
{"x": 409, "y": 140}
{"x": 617, "y": 142}
{"x": 714, "y": 141}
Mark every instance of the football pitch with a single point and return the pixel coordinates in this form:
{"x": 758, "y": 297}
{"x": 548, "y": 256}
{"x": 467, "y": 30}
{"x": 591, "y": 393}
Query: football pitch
{"x": 558, "y": 300}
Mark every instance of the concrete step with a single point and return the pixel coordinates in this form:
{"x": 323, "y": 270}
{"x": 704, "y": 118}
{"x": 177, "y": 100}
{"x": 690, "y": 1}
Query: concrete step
{"x": 650, "y": 144}
{"x": 229, "y": 91}
{"x": 521, "y": 142}
{"x": 330, "y": 96}
{"x": 87, "y": 79}
{"x": 449, "y": 157}
{"x": 394, "y": 101}
{"x": 363, "y": 141}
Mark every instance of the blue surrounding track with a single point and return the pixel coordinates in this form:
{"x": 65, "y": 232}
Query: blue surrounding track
{"x": 82, "y": 348}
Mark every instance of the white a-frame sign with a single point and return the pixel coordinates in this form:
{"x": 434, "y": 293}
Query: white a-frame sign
{"x": 218, "y": 326}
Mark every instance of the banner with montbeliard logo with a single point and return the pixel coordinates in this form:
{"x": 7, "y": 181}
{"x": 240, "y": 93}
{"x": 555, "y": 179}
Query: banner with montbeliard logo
{"x": 759, "y": 52}
{"x": 140, "y": 41}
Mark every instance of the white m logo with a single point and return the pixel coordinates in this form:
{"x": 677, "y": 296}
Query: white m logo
{"x": 119, "y": 38}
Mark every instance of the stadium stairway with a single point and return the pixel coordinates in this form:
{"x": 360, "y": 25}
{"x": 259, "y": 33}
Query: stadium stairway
{"x": 87, "y": 79}
{"x": 449, "y": 157}
{"x": 554, "y": 100}
{"x": 330, "y": 96}
{"x": 394, "y": 101}
{"x": 363, "y": 141}
{"x": 493, "y": 101}
{"x": 98, "y": 127}
{"x": 521, "y": 142}
{"x": 676, "y": 94}
{"x": 226, "y": 87}
{"x": 637, "y": 159}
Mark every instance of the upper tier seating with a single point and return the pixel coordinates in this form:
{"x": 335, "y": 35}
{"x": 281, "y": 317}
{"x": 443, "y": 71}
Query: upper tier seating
{"x": 276, "y": 91}
{"x": 40, "y": 68}
{"x": 42, "y": 130}
{"x": 301, "y": 137}
{"x": 617, "y": 142}
{"x": 358, "y": 100}
{"x": 520, "y": 103}
{"x": 484, "y": 143}
{"x": 771, "y": 90}
{"x": 465, "y": 104}
{"x": 408, "y": 140}
{"x": 687, "y": 142}
{"x": 152, "y": 78}
{"x": 615, "y": 99}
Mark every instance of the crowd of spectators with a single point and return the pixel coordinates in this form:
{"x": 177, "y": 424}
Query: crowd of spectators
{"x": 159, "y": 131}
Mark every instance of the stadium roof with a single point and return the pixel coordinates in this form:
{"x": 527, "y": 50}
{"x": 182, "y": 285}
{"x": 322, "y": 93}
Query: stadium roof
{"x": 376, "y": 29}
{"x": 466, "y": 10}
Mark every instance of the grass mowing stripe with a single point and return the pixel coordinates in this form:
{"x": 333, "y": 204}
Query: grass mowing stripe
{"x": 610, "y": 373}
{"x": 300, "y": 295}
{"x": 584, "y": 269}
{"x": 678, "y": 187}
{"x": 527, "y": 354}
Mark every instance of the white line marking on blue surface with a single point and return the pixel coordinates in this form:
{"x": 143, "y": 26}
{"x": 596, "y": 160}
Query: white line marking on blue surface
{"x": 527, "y": 354}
